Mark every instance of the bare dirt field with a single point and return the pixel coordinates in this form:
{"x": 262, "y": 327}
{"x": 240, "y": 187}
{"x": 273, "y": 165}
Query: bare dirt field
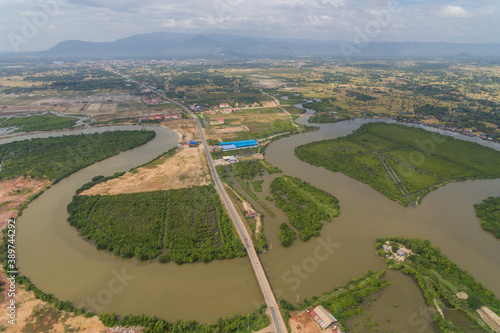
{"x": 264, "y": 81}
{"x": 231, "y": 129}
{"x": 185, "y": 128}
{"x": 13, "y": 193}
{"x": 111, "y": 105}
{"x": 303, "y": 323}
{"x": 268, "y": 104}
{"x": 187, "y": 167}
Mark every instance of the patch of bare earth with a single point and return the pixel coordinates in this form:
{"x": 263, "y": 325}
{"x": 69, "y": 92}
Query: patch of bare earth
{"x": 34, "y": 315}
{"x": 15, "y": 191}
{"x": 185, "y": 128}
{"x": 187, "y": 167}
{"x": 303, "y": 323}
{"x": 490, "y": 317}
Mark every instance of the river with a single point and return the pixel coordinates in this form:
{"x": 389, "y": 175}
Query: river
{"x": 58, "y": 261}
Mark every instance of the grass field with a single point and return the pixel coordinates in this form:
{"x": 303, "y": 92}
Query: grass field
{"x": 400, "y": 161}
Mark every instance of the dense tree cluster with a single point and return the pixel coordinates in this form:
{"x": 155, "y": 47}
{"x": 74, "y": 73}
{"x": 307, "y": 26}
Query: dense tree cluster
{"x": 190, "y": 223}
{"x": 305, "y": 205}
{"x": 287, "y": 235}
{"x": 127, "y": 224}
{"x": 238, "y": 323}
{"x": 96, "y": 180}
{"x": 56, "y": 158}
{"x": 432, "y": 110}
{"x": 198, "y": 228}
{"x": 489, "y": 212}
{"x": 248, "y": 170}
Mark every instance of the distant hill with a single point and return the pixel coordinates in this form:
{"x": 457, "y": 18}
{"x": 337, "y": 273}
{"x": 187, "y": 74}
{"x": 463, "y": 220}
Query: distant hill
{"x": 185, "y": 45}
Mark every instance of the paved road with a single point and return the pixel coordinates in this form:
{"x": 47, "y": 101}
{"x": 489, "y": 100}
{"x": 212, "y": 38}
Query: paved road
{"x": 238, "y": 222}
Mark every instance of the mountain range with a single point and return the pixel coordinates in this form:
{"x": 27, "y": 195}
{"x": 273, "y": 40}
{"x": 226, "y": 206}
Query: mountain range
{"x": 187, "y": 45}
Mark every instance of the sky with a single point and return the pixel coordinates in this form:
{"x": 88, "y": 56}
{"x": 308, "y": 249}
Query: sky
{"x": 32, "y": 25}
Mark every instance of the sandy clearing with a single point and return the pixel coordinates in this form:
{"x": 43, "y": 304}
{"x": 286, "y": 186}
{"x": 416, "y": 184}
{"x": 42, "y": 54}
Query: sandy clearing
{"x": 186, "y": 168}
{"x": 26, "y": 304}
{"x": 303, "y": 323}
{"x": 490, "y": 317}
{"x": 13, "y": 192}
{"x": 268, "y": 104}
{"x": 185, "y": 128}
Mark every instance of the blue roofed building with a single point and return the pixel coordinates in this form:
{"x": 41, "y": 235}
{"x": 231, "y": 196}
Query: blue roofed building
{"x": 238, "y": 144}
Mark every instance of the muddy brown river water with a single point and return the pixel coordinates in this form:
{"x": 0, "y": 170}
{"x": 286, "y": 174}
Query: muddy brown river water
{"x": 58, "y": 261}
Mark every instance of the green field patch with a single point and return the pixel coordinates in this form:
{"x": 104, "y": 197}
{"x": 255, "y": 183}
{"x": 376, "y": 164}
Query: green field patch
{"x": 44, "y": 122}
{"x": 372, "y": 142}
{"x": 413, "y": 179}
{"x": 346, "y": 147}
{"x": 305, "y": 205}
{"x": 436, "y": 165}
{"x": 369, "y": 169}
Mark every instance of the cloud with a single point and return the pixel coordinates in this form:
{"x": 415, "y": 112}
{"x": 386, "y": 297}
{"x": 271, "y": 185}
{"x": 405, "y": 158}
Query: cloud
{"x": 105, "y": 20}
{"x": 454, "y": 11}
{"x": 168, "y": 23}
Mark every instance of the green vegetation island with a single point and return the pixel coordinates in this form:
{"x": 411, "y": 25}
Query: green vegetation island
{"x": 489, "y": 213}
{"x": 403, "y": 163}
{"x": 305, "y": 205}
{"x": 184, "y": 225}
{"x": 58, "y": 157}
{"x": 445, "y": 286}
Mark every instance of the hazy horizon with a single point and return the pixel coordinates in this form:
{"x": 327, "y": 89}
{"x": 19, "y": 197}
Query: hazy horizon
{"x": 31, "y": 25}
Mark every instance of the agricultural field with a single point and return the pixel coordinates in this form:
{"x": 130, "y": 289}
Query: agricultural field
{"x": 186, "y": 225}
{"x": 489, "y": 213}
{"x": 403, "y": 163}
{"x": 453, "y": 93}
{"x": 444, "y": 285}
{"x": 306, "y": 207}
